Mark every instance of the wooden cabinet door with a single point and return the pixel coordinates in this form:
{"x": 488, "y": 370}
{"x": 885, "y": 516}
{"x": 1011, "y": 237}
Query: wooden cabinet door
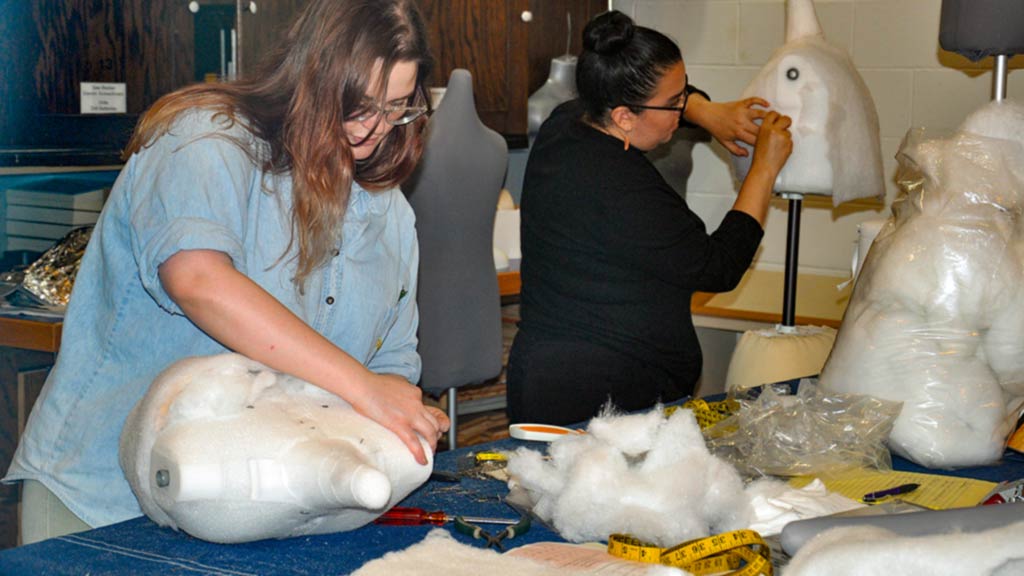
{"x": 144, "y": 43}
{"x": 49, "y": 47}
{"x": 508, "y": 55}
{"x": 488, "y": 38}
{"x": 557, "y": 29}
{"x": 261, "y": 29}
{"x": 158, "y": 49}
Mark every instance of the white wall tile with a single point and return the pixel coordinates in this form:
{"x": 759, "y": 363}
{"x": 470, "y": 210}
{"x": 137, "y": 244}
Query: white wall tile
{"x": 892, "y": 91}
{"x": 826, "y": 237}
{"x": 705, "y": 30}
{"x": 710, "y": 207}
{"x": 722, "y": 83}
{"x": 712, "y": 172}
{"x": 762, "y": 30}
{"x": 896, "y": 33}
{"x": 1015, "y": 85}
{"x": 943, "y": 98}
{"x": 836, "y": 20}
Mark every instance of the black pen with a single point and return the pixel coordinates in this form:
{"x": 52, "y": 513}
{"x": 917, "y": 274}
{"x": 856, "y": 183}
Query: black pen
{"x": 901, "y": 489}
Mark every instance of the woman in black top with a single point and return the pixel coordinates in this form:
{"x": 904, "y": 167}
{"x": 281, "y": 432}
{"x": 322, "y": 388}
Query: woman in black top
{"x": 611, "y": 253}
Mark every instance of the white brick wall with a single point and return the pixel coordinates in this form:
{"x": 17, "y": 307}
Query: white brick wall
{"x": 894, "y": 44}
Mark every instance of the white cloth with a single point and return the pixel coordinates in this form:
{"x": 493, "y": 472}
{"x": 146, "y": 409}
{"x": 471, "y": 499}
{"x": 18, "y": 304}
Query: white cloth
{"x": 775, "y": 504}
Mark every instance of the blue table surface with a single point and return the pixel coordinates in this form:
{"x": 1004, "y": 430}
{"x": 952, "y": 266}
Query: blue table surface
{"x": 139, "y": 546}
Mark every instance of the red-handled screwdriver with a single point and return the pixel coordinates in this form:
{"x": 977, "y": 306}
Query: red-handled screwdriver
{"x": 408, "y": 516}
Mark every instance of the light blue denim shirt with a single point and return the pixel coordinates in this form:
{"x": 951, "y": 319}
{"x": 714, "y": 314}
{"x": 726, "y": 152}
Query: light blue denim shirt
{"x": 193, "y": 191}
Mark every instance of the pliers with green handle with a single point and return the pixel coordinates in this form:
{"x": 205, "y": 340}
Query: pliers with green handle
{"x": 476, "y": 532}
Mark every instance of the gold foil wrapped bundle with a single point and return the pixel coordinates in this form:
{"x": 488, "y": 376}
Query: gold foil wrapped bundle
{"x": 51, "y": 277}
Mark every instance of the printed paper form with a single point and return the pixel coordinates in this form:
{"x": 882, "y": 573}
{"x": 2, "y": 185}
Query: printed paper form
{"x": 935, "y": 491}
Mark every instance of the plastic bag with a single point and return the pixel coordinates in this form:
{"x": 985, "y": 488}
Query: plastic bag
{"x": 936, "y": 318}
{"x": 810, "y": 432}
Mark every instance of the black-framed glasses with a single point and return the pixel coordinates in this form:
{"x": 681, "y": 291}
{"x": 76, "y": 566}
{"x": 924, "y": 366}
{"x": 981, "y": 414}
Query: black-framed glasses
{"x": 680, "y": 109}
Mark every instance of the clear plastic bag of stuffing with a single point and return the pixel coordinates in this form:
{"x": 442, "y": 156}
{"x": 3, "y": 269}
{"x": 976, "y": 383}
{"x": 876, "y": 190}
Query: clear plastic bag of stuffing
{"x": 808, "y": 433}
{"x": 936, "y": 318}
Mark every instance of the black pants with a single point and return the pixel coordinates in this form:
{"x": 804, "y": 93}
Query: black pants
{"x": 555, "y": 381}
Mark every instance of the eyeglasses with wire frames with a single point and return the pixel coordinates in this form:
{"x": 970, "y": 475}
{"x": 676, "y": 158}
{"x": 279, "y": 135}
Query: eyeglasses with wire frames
{"x": 679, "y": 109}
{"x": 393, "y": 113}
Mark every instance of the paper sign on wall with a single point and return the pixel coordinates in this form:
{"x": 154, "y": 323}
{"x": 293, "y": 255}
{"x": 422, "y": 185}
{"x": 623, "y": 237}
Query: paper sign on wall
{"x": 103, "y": 98}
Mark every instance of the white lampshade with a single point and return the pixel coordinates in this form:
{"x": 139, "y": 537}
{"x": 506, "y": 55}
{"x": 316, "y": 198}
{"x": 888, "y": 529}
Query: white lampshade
{"x": 776, "y": 355}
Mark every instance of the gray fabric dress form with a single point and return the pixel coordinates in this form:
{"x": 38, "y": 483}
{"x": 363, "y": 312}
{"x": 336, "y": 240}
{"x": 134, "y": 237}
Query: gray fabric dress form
{"x": 454, "y": 193}
{"x": 980, "y": 28}
{"x": 559, "y": 87}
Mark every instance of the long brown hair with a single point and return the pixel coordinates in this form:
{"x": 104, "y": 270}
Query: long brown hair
{"x": 297, "y": 102}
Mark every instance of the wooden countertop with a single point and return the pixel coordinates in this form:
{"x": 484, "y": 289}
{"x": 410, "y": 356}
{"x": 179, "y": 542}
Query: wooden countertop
{"x": 30, "y": 334}
{"x": 509, "y": 283}
{"x": 758, "y": 298}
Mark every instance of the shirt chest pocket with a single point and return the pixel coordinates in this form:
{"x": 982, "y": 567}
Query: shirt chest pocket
{"x": 367, "y": 309}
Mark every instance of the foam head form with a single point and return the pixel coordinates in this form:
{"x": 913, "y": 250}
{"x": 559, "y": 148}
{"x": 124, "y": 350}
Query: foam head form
{"x": 836, "y": 147}
{"x": 230, "y": 451}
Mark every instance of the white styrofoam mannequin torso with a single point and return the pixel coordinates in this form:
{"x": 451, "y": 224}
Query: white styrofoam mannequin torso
{"x": 230, "y": 451}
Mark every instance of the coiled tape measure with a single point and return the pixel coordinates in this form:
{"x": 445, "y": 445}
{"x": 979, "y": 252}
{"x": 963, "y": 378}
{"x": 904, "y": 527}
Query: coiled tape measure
{"x": 736, "y": 553}
{"x": 708, "y": 413}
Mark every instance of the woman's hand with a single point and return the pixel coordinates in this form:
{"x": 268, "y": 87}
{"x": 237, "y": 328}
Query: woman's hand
{"x": 394, "y": 403}
{"x": 771, "y": 150}
{"x": 728, "y": 122}
{"x": 774, "y": 144}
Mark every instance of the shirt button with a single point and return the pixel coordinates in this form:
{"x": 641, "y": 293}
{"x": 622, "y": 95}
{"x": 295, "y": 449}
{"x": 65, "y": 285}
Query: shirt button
{"x": 330, "y": 300}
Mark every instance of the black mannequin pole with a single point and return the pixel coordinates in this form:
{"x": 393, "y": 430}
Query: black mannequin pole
{"x": 792, "y": 253}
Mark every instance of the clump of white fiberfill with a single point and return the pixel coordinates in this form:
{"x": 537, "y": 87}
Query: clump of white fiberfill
{"x": 645, "y": 474}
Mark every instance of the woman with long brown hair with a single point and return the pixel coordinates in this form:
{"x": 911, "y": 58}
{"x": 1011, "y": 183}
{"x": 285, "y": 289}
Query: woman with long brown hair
{"x": 262, "y": 217}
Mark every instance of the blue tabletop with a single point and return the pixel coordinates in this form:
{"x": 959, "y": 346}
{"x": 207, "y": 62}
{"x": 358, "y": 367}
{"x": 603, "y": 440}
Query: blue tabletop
{"x": 141, "y": 547}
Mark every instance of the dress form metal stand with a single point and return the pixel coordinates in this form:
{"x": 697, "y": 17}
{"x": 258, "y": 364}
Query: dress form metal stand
{"x": 786, "y": 351}
{"x": 999, "y": 74}
{"x": 792, "y": 257}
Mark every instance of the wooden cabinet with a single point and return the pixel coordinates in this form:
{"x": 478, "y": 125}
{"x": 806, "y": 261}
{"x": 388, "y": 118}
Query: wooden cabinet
{"x": 22, "y": 373}
{"x": 49, "y": 47}
{"x": 261, "y": 28}
{"x": 507, "y": 45}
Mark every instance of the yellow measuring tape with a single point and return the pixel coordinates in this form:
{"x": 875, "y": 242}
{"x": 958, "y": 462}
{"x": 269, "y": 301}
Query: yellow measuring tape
{"x": 708, "y": 413}
{"x": 737, "y": 553}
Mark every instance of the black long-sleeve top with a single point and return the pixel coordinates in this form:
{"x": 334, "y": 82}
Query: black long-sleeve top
{"x": 612, "y": 254}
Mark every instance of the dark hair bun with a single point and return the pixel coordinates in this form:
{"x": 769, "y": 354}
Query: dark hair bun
{"x": 608, "y": 33}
